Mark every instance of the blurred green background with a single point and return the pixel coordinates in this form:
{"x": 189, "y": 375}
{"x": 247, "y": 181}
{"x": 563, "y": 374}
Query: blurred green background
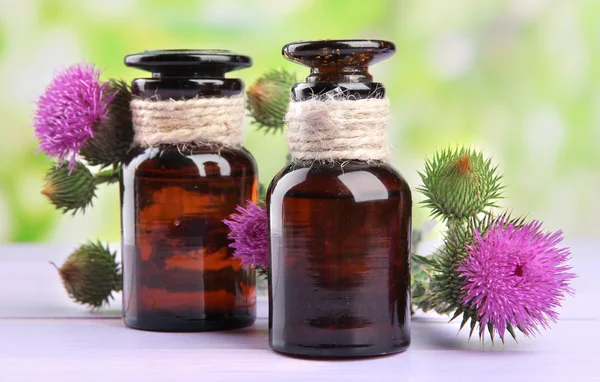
{"x": 518, "y": 79}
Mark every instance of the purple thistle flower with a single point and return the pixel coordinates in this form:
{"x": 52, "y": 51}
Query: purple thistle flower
{"x": 249, "y": 232}
{"x": 71, "y": 105}
{"x": 516, "y": 275}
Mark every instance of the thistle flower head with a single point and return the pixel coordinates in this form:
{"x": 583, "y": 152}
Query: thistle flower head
{"x": 249, "y": 232}
{"x": 515, "y": 277}
{"x": 91, "y": 274}
{"x": 459, "y": 184}
{"x": 269, "y": 97}
{"x": 70, "y": 191}
{"x": 66, "y": 113}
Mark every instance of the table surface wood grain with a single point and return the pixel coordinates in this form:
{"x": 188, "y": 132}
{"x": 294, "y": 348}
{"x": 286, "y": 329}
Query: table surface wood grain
{"x": 44, "y": 336}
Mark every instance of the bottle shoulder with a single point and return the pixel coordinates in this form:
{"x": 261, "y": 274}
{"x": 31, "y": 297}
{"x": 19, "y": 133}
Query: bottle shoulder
{"x": 203, "y": 161}
{"x": 360, "y": 180}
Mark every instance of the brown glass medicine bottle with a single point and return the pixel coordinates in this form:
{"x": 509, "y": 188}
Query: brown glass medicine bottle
{"x": 340, "y": 230}
{"x": 178, "y": 271}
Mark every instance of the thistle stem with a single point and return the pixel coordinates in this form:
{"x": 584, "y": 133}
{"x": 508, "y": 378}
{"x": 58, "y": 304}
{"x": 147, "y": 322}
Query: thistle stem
{"x": 453, "y": 223}
{"x": 107, "y": 176}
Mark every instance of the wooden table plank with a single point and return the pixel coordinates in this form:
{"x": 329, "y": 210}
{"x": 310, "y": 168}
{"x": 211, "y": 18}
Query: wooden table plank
{"x": 103, "y": 349}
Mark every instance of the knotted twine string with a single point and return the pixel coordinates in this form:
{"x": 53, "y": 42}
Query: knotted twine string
{"x": 338, "y": 129}
{"x": 201, "y": 121}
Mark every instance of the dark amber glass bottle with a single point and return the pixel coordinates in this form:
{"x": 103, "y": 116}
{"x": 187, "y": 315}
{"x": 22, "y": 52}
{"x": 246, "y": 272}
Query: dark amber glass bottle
{"x": 339, "y": 230}
{"x": 178, "y": 271}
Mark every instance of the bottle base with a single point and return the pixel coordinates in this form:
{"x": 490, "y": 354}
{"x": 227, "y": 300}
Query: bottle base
{"x": 174, "y": 324}
{"x": 336, "y": 352}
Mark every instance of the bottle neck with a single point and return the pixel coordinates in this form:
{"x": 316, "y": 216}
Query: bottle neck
{"x": 304, "y": 91}
{"x": 186, "y": 88}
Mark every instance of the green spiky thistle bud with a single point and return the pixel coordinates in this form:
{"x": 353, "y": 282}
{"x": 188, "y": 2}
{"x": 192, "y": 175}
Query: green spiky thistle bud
{"x": 460, "y": 184}
{"x": 91, "y": 274}
{"x": 113, "y": 136}
{"x": 70, "y": 192}
{"x": 269, "y": 97}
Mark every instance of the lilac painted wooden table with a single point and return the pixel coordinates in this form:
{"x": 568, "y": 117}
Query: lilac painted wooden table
{"x": 46, "y": 337}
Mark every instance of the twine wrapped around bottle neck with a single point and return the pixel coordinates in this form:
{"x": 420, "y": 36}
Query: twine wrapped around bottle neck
{"x": 214, "y": 121}
{"x": 339, "y": 129}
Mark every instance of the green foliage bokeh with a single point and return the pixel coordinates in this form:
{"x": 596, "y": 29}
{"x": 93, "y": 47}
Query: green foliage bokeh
{"x": 517, "y": 79}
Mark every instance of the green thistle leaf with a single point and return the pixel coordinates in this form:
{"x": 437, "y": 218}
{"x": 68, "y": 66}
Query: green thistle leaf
{"x": 269, "y": 97}
{"x": 418, "y": 260}
{"x": 70, "y": 192}
{"x": 262, "y": 192}
{"x": 460, "y": 184}
{"x": 91, "y": 274}
{"x": 261, "y": 272}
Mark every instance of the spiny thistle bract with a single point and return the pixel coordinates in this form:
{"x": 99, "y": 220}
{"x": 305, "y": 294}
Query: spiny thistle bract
{"x": 91, "y": 274}
{"x": 444, "y": 289}
{"x": 460, "y": 184}
{"x": 66, "y": 113}
{"x": 269, "y": 97}
{"x": 70, "y": 192}
{"x": 113, "y": 136}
